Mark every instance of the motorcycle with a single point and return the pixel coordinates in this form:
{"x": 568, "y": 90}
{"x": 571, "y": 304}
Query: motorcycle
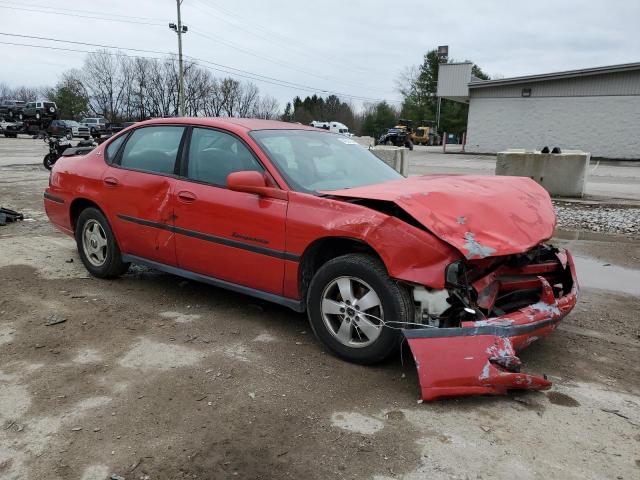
{"x": 57, "y": 147}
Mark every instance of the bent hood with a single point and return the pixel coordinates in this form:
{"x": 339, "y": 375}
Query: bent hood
{"x": 481, "y": 216}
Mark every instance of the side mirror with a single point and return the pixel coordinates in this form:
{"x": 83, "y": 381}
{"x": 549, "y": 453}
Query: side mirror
{"x": 253, "y": 182}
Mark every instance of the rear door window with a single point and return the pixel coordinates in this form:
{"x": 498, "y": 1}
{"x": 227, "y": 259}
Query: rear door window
{"x": 153, "y": 149}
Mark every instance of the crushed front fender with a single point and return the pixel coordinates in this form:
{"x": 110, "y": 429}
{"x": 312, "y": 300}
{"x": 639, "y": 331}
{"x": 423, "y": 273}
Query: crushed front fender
{"x": 480, "y": 357}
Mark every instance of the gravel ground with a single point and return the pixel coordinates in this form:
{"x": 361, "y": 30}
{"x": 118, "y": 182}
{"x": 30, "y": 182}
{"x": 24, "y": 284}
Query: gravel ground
{"x": 598, "y": 218}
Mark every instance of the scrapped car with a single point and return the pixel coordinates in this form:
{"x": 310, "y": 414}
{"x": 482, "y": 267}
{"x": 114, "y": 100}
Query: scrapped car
{"x": 78, "y": 130}
{"x": 11, "y": 109}
{"x": 119, "y": 127}
{"x": 10, "y": 129}
{"x": 457, "y": 265}
{"x": 39, "y": 111}
{"x": 59, "y": 128}
{"x": 96, "y": 125}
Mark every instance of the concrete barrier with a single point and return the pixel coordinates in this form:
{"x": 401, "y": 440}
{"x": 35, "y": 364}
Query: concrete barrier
{"x": 366, "y": 142}
{"x": 561, "y": 174}
{"x": 395, "y": 157}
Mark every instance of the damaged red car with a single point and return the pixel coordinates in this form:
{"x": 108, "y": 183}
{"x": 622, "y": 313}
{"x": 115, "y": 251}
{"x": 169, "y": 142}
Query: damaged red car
{"x": 457, "y": 265}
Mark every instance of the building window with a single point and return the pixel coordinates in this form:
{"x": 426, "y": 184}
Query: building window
{"x": 526, "y": 92}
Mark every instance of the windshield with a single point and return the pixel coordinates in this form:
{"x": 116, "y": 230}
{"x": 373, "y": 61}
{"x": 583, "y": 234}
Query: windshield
{"x": 313, "y": 161}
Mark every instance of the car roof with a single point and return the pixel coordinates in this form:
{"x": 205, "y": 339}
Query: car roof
{"x": 246, "y": 124}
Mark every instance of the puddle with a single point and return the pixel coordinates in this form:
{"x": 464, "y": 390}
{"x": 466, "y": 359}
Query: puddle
{"x": 594, "y": 274}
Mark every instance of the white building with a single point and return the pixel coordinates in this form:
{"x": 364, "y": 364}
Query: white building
{"x": 596, "y": 110}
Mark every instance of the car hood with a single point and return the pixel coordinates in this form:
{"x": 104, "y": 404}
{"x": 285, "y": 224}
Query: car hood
{"x": 481, "y": 216}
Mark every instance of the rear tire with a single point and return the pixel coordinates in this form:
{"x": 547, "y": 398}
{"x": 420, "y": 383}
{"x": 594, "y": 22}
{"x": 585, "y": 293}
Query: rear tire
{"x": 97, "y": 245}
{"x": 49, "y": 160}
{"x": 339, "y": 323}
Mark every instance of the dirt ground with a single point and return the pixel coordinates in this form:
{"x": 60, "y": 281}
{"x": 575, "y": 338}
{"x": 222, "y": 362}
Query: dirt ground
{"x": 154, "y": 377}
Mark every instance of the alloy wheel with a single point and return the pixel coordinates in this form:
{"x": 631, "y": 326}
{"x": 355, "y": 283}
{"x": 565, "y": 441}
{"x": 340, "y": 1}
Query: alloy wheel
{"x": 352, "y": 312}
{"x": 94, "y": 243}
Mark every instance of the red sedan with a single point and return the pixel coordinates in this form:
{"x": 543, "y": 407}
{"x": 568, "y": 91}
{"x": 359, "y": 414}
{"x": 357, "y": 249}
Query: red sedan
{"x": 458, "y": 265}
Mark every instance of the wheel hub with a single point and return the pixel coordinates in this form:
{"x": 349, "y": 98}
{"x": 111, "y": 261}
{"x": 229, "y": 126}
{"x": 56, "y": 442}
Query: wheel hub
{"x": 352, "y": 312}
{"x": 94, "y": 243}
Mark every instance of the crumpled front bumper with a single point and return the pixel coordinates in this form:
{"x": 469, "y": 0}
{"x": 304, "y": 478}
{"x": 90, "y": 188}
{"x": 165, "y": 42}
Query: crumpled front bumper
{"x": 480, "y": 357}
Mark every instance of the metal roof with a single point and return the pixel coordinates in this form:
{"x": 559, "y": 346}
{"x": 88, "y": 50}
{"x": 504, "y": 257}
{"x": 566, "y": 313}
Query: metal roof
{"x": 585, "y": 72}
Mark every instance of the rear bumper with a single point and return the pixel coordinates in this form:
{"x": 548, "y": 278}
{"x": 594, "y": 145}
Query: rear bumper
{"x": 57, "y": 210}
{"x": 479, "y": 357}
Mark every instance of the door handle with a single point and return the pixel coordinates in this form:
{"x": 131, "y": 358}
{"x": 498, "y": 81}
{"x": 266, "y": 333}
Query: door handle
{"x": 110, "y": 181}
{"x": 187, "y": 197}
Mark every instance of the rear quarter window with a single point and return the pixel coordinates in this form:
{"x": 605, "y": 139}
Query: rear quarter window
{"x": 113, "y": 147}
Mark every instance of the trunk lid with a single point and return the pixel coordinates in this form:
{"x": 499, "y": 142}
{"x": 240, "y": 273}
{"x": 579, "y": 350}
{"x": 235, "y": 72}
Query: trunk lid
{"x": 481, "y": 216}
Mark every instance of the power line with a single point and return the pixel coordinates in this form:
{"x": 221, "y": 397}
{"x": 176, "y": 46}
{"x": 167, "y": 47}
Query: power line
{"x": 261, "y": 56}
{"x": 74, "y": 10}
{"x": 217, "y": 67}
{"x": 270, "y": 36}
{"x": 197, "y": 32}
{"x": 82, "y": 16}
{"x": 101, "y": 45}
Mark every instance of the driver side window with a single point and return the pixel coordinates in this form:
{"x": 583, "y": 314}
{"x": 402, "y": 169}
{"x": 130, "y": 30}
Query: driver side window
{"x": 213, "y": 155}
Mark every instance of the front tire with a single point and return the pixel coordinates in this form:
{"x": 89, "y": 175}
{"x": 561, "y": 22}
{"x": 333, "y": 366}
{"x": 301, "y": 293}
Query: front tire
{"x": 97, "y": 245}
{"x": 349, "y": 299}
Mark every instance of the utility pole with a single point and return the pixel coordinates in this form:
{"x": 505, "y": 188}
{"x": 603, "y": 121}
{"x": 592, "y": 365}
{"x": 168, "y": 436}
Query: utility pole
{"x": 443, "y": 57}
{"x": 180, "y": 29}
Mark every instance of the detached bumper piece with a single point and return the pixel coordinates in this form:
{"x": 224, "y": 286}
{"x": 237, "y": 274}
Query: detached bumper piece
{"x": 479, "y": 358}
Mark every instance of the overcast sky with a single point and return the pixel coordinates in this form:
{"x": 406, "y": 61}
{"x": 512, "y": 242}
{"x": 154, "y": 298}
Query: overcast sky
{"x": 354, "y": 47}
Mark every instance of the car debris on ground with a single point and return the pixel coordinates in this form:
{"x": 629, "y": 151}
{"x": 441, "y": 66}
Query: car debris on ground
{"x": 54, "y": 319}
{"x": 9, "y": 216}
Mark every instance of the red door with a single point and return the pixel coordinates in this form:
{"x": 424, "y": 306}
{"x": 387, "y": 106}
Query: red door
{"x": 138, "y": 192}
{"x": 233, "y": 236}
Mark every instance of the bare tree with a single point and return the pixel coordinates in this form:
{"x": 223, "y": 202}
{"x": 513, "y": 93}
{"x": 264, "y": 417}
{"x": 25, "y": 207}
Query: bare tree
{"x": 120, "y": 87}
{"x": 266, "y": 108}
{"x": 5, "y": 91}
{"x": 212, "y": 105}
{"x": 229, "y": 91}
{"x": 102, "y": 78}
{"x": 197, "y": 87}
{"x": 26, "y": 94}
{"x": 246, "y": 99}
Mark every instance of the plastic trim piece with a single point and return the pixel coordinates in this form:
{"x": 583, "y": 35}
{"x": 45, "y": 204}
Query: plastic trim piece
{"x": 214, "y": 239}
{"x": 53, "y": 198}
{"x": 295, "y": 305}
